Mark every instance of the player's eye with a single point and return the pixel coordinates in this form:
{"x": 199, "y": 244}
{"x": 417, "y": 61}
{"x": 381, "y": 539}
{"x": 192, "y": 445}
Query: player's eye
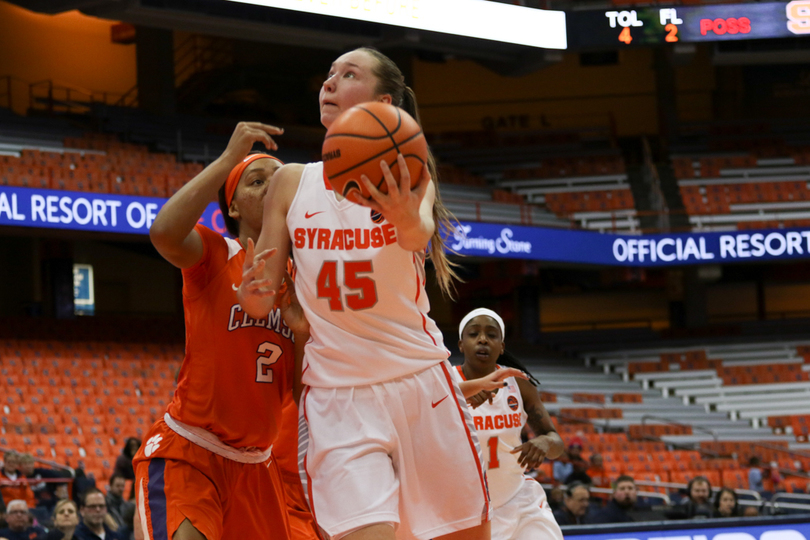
{"x": 348, "y": 75}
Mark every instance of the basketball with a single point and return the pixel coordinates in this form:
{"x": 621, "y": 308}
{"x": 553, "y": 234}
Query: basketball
{"x": 363, "y": 136}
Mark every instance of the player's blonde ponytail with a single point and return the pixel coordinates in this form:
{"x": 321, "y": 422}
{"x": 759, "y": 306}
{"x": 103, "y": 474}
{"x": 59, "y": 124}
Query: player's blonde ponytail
{"x": 392, "y": 82}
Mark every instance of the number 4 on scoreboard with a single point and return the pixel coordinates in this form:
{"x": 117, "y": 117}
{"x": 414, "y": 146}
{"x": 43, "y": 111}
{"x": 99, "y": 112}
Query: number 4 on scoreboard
{"x": 625, "y": 36}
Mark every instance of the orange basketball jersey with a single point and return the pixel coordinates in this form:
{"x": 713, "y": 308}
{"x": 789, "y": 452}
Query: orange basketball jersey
{"x": 237, "y": 369}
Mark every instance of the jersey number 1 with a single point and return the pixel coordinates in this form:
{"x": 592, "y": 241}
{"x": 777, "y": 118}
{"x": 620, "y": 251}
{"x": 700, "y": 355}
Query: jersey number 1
{"x": 492, "y": 444}
{"x": 329, "y": 288}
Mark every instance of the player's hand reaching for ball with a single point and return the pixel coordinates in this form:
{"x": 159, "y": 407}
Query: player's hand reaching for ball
{"x": 478, "y": 391}
{"x": 291, "y": 309}
{"x": 400, "y": 206}
{"x": 533, "y": 452}
{"x": 254, "y": 286}
{"x": 245, "y": 135}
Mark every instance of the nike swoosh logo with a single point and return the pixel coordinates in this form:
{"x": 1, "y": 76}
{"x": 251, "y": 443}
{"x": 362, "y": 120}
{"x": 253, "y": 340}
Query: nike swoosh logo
{"x": 308, "y": 215}
{"x": 437, "y": 402}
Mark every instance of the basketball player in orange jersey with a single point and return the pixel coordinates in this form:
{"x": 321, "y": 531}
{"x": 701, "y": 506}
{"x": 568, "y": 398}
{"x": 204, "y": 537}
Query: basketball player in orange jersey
{"x": 381, "y": 413}
{"x": 520, "y": 508}
{"x": 207, "y": 469}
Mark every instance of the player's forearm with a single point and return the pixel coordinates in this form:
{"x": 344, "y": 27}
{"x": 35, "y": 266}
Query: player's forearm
{"x": 554, "y": 442}
{"x": 181, "y": 212}
{"x": 415, "y": 235}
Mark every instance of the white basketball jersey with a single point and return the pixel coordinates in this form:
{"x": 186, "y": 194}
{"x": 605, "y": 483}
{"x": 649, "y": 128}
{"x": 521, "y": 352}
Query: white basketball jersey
{"x": 499, "y": 425}
{"x": 362, "y": 293}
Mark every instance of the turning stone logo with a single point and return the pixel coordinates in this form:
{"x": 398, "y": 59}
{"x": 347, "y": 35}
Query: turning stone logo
{"x": 504, "y": 243}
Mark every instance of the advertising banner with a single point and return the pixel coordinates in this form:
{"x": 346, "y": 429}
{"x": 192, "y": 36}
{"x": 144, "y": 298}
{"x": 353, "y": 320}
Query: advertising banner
{"x": 104, "y": 212}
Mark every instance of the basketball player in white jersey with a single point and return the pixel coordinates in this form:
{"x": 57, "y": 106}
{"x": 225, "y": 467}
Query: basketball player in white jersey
{"x": 381, "y": 415}
{"x": 520, "y": 508}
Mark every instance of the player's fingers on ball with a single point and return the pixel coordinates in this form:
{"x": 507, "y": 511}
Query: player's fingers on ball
{"x": 390, "y": 181}
{"x": 375, "y": 193}
{"x": 404, "y": 174}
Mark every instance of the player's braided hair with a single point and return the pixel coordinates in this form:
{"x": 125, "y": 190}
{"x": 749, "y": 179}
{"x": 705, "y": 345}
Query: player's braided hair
{"x": 510, "y": 360}
{"x": 392, "y": 82}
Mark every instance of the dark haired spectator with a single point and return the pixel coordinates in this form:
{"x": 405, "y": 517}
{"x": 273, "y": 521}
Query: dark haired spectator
{"x": 116, "y": 505}
{"x": 94, "y": 512}
{"x": 12, "y": 484}
{"x": 596, "y": 471}
{"x": 65, "y": 520}
{"x": 623, "y": 501}
{"x": 18, "y": 522}
{"x": 123, "y": 463}
{"x": 127, "y": 530}
{"x": 579, "y": 474}
{"x": 755, "y": 477}
{"x": 697, "y": 504}
{"x": 81, "y": 484}
{"x": 575, "y": 505}
{"x": 555, "y": 498}
{"x": 725, "y": 504}
{"x": 563, "y": 467}
{"x": 43, "y": 492}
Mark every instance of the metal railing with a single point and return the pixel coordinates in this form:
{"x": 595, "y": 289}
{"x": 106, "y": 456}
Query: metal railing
{"x": 48, "y": 96}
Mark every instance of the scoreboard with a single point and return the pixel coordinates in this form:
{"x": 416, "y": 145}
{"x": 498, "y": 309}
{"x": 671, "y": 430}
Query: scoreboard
{"x": 717, "y": 22}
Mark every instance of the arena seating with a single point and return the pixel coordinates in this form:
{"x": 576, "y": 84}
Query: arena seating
{"x": 77, "y": 402}
{"x": 629, "y": 407}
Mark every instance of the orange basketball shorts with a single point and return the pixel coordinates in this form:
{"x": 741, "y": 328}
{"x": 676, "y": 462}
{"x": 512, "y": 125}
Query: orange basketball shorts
{"x": 302, "y": 524}
{"x": 223, "y": 499}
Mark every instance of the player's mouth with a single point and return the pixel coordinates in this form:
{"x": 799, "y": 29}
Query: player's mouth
{"x": 482, "y": 353}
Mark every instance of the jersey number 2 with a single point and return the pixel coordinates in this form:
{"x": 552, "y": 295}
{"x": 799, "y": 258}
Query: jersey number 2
{"x": 270, "y": 353}
{"x": 492, "y": 444}
{"x": 328, "y": 287}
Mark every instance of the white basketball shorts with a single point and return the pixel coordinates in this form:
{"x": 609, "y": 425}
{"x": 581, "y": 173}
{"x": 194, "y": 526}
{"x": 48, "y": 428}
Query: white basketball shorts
{"x": 403, "y": 452}
{"x": 526, "y": 516}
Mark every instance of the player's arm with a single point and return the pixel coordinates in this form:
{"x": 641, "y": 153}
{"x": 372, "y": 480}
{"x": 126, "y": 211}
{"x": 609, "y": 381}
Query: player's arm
{"x": 489, "y": 384}
{"x": 548, "y": 443}
{"x": 296, "y": 321}
{"x": 410, "y": 211}
{"x": 172, "y": 233}
{"x": 263, "y": 273}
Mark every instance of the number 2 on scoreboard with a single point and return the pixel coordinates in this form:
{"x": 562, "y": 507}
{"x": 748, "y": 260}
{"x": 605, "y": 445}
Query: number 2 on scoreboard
{"x": 672, "y": 33}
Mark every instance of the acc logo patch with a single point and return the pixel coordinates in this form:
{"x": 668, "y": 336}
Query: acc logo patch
{"x": 512, "y": 402}
{"x": 377, "y": 217}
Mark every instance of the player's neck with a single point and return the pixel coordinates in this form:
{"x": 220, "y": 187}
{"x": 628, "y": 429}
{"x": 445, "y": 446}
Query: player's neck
{"x": 475, "y": 372}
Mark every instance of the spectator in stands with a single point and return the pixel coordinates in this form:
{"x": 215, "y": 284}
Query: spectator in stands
{"x": 623, "y": 501}
{"x": 65, "y": 521}
{"x": 127, "y": 530}
{"x": 575, "y": 505}
{"x": 697, "y": 505}
{"x": 123, "y": 463}
{"x": 12, "y": 484}
{"x": 725, "y": 504}
{"x": 556, "y": 498}
{"x": 116, "y": 505}
{"x": 43, "y": 491}
{"x": 755, "y": 477}
{"x": 597, "y": 473}
{"x": 579, "y": 474}
{"x": 19, "y": 523}
{"x": 563, "y": 466}
{"x": 94, "y": 512}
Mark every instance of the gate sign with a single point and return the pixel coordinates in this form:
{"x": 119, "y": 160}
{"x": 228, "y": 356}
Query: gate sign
{"x": 104, "y": 212}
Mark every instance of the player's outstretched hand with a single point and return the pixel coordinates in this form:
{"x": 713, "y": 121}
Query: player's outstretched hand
{"x": 254, "y": 285}
{"x": 245, "y": 135}
{"x": 291, "y": 309}
{"x": 480, "y": 398}
{"x": 532, "y": 453}
{"x": 400, "y": 206}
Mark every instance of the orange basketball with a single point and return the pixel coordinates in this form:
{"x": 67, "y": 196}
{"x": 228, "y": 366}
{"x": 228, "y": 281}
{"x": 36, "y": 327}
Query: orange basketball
{"x": 363, "y": 136}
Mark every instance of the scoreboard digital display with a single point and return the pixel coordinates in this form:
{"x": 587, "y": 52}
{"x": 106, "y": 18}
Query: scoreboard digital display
{"x": 717, "y": 22}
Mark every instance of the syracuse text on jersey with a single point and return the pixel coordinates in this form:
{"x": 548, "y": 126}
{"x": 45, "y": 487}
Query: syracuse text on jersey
{"x": 497, "y": 421}
{"x": 344, "y": 239}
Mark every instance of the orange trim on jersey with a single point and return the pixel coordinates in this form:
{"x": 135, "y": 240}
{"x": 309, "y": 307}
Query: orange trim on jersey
{"x": 309, "y": 478}
{"x": 416, "y": 303}
{"x": 449, "y": 380}
{"x": 326, "y": 181}
{"x": 461, "y": 372}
